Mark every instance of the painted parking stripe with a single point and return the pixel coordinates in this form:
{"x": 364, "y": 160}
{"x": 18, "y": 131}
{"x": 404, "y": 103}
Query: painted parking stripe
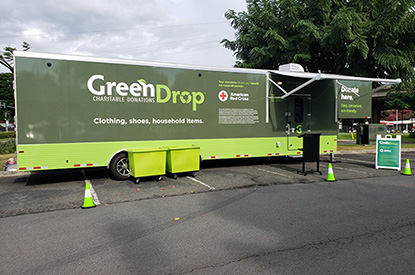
{"x": 352, "y": 170}
{"x": 202, "y": 183}
{"x": 358, "y": 160}
{"x": 94, "y": 195}
{"x": 275, "y": 173}
{"x": 91, "y": 188}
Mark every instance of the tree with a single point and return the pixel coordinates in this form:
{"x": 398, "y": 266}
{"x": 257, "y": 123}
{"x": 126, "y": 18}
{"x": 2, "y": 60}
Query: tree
{"x": 6, "y": 94}
{"x": 6, "y": 57}
{"x": 401, "y": 97}
{"x": 6, "y": 80}
{"x": 374, "y": 38}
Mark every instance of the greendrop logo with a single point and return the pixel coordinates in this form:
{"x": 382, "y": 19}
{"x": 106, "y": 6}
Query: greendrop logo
{"x": 154, "y": 93}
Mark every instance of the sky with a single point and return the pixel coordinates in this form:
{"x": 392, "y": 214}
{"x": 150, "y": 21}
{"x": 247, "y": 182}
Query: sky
{"x": 173, "y": 31}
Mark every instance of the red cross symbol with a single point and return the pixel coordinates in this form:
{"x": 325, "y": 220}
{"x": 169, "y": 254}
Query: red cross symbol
{"x": 223, "y": 96}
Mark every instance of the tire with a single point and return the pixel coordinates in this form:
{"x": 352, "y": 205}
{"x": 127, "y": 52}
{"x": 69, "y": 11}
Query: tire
{"x": 119, "y": 167}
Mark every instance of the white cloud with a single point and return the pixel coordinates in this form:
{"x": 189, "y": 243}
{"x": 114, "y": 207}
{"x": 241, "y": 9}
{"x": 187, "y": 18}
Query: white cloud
{"x": 179, "y": 31}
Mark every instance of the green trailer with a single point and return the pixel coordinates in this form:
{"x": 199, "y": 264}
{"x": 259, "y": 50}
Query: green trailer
{"x": 78, "y": 112}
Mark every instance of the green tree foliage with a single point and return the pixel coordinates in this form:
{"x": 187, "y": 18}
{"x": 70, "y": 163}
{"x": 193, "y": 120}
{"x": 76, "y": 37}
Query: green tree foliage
{"x": 6, "y": 57}
{"x": 6, "y": 80}
{"x": 6, "y": 88}
{"x": 401, "y": 97}
{"x": 374, "y": 38}
{"x": 6, "y": 94}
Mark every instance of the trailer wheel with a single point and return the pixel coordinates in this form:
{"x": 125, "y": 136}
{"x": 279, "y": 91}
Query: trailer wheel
{"x": 119, "y": 167}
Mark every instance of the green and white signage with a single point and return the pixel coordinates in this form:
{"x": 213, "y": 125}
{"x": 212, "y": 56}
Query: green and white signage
{"x": 354, "y": 99}
{"x": 388, "y": 152}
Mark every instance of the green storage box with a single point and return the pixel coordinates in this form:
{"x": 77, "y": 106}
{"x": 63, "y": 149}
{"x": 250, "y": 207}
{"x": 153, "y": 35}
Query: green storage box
{"x": 183, "y": 159}
{"x": 147, "y": 162}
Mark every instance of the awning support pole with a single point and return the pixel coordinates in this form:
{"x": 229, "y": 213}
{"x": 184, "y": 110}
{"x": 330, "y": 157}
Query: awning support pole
{"x": 267, "y": 101}
{"x": 317, "y": 77}
{"x": 286, "y": 94}
{"x": 276, "y": 85}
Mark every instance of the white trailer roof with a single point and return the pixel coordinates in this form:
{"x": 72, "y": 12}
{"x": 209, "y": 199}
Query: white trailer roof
{"x": 316, "y": 76}
{"x": 133, "y": 62}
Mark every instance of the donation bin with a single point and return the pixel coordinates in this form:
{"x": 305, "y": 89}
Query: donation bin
{"x": 182, "y": 159}
{"x": 366, "y": 133}
{"x": 147, "y": 162}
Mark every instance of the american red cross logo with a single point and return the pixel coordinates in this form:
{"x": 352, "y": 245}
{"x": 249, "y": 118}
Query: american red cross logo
{"x": 223, "y": 96}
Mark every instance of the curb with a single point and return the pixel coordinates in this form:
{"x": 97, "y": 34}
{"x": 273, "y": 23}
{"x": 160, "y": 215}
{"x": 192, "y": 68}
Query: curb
{"x": 368, "y": 151}
{"x": 4, "y": 174}
{"x": 344, "y": 152}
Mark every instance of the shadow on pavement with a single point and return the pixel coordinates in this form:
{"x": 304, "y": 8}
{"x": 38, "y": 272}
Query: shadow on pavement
{"x": 248, "y": 161}
{"x": 71, "y": 175}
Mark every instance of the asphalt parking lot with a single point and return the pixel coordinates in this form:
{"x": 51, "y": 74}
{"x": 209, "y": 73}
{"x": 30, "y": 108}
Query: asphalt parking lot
{"x": 35, "y": 192}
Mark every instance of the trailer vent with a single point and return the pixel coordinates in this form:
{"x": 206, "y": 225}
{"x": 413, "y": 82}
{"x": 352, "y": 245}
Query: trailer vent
{"x": 291, "y": 67}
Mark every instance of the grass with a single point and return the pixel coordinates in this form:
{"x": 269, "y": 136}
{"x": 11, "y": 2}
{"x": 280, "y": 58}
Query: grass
{"x": 345, "y": 147}
{"x": 346, "y": 136}
{"x": 404, "y": 137}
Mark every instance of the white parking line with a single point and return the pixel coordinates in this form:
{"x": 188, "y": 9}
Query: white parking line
{"x": 93, "y": 193}
{"x": 275, "y": 173}
{"x": 358, "y": 160}
{"x": 352, "y": 170}
{"x": 202, "y": 183}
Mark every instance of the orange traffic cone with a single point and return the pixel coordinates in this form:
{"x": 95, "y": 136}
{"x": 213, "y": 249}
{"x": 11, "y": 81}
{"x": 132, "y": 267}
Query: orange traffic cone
{"x": 88, "y": 202}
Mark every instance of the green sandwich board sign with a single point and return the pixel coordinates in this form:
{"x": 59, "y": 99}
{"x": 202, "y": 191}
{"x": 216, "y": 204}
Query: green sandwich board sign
{"x": 388, "y": 152}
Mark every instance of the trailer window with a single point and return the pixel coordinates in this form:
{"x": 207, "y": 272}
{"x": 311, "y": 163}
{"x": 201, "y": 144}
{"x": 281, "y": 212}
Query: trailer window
{"x": 298, "y": 110}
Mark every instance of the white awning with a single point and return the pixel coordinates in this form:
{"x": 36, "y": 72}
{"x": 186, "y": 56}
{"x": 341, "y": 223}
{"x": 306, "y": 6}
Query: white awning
{"x": 319, "y": 76}
{"x": 311, "y": 77}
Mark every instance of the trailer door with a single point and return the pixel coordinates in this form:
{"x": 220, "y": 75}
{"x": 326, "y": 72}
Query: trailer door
{"x": 298, "y": 115}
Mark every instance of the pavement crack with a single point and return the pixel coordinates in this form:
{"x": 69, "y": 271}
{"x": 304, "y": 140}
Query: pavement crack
{"x": 338, "y": 242}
